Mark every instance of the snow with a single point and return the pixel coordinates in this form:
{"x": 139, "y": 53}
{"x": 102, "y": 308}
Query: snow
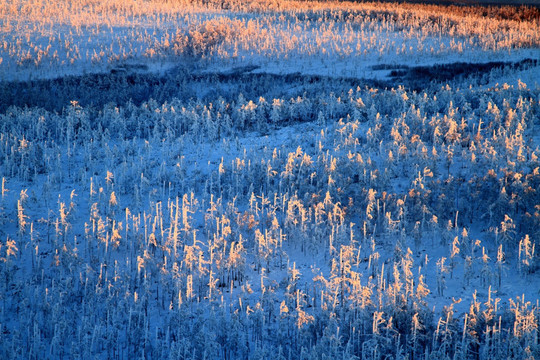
{"x": 211, "y": 227}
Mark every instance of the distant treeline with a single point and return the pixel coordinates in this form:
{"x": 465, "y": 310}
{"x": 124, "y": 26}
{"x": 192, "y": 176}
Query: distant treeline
{"x": 534, "y": 4}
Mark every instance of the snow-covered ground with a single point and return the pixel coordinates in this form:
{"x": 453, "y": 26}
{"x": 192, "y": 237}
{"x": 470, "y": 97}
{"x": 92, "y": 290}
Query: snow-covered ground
{"x": 338, "y": 212}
